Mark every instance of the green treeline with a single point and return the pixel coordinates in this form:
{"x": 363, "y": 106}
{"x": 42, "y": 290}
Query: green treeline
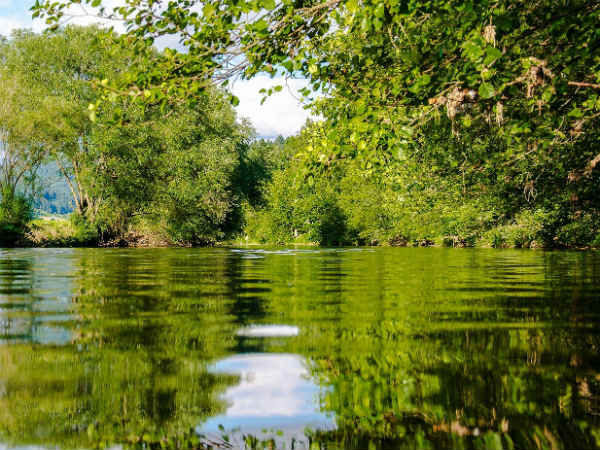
{"x": 433, "y": 198}
{"x": 443, "y": 123}
{"x": 175, "y": 175}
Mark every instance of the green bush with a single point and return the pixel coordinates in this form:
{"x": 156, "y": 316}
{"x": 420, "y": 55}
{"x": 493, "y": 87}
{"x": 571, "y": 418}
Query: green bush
{"x": 326, "y": 222}
{"x": 581, "y": 231}
{"x": 525, "y": 230}
{"x": 546, "y": 228}
{"x": 255, "y": 224}
{"x": 62, "y": 231}
{"x": 15, "y": 213}
{"x": 280, "y": 216}
{"x": 299, "y": 211}
{"x": 84, "y": 232}
{"x": 462, "y": 224}
{"x": 372, "y": 208}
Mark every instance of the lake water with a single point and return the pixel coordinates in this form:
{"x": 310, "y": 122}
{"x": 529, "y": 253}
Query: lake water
{"x": 319, "y": 348}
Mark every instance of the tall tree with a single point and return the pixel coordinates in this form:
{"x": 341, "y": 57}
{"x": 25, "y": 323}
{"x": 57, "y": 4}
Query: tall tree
{"x": 20, "y": 151}
{"x": 20, "y": 154}
{"x": 61, "y": 69}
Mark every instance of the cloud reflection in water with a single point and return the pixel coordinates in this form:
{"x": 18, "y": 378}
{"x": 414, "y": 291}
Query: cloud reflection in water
{"x": 274, "y": 392}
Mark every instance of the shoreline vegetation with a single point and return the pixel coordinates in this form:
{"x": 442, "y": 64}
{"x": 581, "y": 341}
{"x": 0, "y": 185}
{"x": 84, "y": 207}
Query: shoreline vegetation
{"x": 56, "y": 231}
{"x": 483, "y": 137}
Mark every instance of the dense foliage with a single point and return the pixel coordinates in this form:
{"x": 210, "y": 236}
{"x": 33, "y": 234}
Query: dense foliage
{"x": 455, "y": 120}
{"x": 163, "y": 175}
{"x": 354, "y": 201}
{"x": 15, "y": 213}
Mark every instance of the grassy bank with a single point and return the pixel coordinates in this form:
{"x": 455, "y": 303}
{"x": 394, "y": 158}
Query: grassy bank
{"x": 62, "y": 232}
{"x": 70, "y": 231}
{"x": 59, "y": 231}
{"x": 529, "y": 230}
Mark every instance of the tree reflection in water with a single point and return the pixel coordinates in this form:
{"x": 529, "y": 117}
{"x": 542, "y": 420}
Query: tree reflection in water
{"x": 392, "y": 348}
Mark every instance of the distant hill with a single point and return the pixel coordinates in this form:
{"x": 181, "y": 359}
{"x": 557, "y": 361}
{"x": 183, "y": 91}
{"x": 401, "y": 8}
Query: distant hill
{"x": 55, "y": 196}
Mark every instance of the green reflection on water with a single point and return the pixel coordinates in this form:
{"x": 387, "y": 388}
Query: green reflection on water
{"x": 425, "y": 348}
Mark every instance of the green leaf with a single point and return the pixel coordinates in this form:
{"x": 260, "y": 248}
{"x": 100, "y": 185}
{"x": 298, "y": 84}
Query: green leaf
{"x": 472, "y": 50}
{"x": 261, "y": 25}
{"x": 424, "y": 79}
{"x": 547, "y": 94}
{"x": 289, "y": 66}
{"x": 492, "y": 54}
{"x": 486, "y": 90}
{"x": 352, "y": 6}
{"x": 268, "y": 4}
{"x": 576, "y": 113}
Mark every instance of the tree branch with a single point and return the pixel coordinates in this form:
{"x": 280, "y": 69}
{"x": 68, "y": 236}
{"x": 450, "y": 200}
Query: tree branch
{"x": 583, "y": 84}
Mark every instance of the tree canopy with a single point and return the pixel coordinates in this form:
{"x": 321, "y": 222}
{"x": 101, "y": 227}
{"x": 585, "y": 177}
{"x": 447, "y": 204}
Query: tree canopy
{"x": 530, "y": 68}
{"x": 459, "y": 117}
{"x": 172, "y": 166}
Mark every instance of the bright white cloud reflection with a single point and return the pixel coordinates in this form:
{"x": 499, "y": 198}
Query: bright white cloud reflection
{"x": 269, "y": 331}
{"x": 274, "y": 392}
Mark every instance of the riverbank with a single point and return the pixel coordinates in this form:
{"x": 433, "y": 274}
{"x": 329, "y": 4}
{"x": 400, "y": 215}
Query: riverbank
{"x": 63, "y": 231}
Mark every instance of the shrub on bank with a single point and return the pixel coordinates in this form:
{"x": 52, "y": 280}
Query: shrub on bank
{"x": 61, "y": 231}
{"x": 355, "y": 211}
{"x": 582, "y": 231}
{"x": 15, "y": 213}
{"x": 545, "y": 228}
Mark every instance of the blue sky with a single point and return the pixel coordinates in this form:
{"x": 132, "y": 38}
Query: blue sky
{"x": 15, "y": 14}
{"x": 280, "y": 114}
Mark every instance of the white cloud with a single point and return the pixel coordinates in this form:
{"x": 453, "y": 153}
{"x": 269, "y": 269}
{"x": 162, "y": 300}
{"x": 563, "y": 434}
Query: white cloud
{"x": 282, "y": 113}
{"x": 16, "y": 14}
{"x": 20, "y": 16}
{"x": 8, "y": 24}
{"x": 86, "y": 15}
{"x": 275, "y": 392}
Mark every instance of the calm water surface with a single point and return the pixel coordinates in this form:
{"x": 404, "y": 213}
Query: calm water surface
{"x": 354, "y": 349}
